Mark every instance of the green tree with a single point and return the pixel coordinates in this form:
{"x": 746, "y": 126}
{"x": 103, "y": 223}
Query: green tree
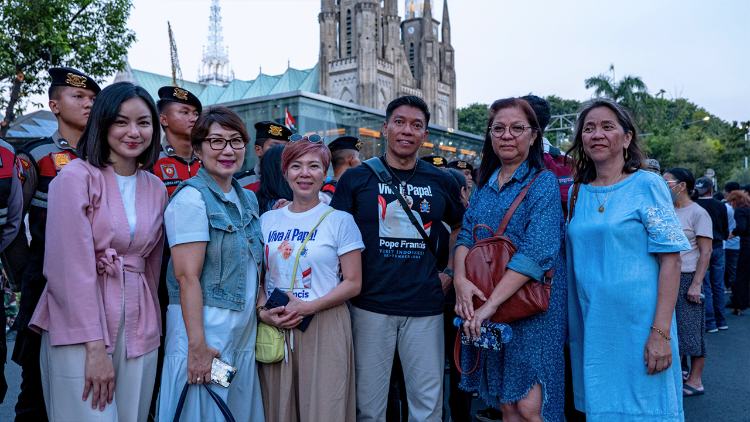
{"x": 473, "y": 118}
{"x": 89, "y": 35}
{"x": 630, "y": 91}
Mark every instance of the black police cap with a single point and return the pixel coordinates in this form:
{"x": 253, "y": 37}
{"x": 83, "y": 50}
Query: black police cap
{"x": 67, "y": 76}
{"x": 460, "y": 165}
{"x": 345, "y": 142}
{"x": 435, "y": 160}
{"x": 179, "y": 95}
{"x": 272, "y": 130}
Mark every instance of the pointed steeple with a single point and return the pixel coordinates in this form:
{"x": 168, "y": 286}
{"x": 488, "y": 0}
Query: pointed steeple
{"x": 446, "y": 25}
{"x": 427, "y": 14}
{"x": 215, "y": 67}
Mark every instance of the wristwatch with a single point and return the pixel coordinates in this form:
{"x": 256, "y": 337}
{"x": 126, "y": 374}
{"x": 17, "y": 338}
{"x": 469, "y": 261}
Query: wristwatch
{"x": 448, "y": 272}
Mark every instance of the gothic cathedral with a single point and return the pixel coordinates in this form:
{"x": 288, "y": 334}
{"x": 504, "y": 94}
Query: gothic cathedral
{"x": 368, "y": 56}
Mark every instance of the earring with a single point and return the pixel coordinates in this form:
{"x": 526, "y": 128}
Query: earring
{"x": 626, "y": 153}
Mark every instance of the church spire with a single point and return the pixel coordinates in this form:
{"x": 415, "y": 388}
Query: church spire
{"x": 215, "y": 67}
{"x": 446, "y": 25}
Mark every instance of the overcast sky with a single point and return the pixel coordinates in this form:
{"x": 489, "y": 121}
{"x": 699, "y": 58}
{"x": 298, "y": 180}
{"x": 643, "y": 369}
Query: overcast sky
{"x": 698, "y": 50}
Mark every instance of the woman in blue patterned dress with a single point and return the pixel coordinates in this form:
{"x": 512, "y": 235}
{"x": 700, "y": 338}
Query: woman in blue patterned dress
{"x": 623, "y": 247}
{"x": 526, "y": 379}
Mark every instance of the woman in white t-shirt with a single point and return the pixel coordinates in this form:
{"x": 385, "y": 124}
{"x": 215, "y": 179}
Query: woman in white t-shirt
{"x": 690, "y": 312}
{"x": 316, "y": 382}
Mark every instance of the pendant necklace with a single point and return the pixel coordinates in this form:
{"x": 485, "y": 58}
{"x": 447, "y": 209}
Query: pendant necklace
{"x": 403, "y": 182}
{"x": 601, "y": 204}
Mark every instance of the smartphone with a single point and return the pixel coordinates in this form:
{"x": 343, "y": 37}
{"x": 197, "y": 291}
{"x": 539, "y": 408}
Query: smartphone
{"x": 222, "y": 373}
{"x": 279, "y": 298}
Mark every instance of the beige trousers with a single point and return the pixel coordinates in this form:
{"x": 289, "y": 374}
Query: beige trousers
{"x": 317, "y": 384}
{"x": 63, "y": 369}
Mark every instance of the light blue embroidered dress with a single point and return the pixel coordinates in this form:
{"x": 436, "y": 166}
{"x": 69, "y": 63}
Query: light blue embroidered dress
{"x": 612, "y": 295}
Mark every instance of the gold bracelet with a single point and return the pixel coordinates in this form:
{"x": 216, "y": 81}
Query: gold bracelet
{"x": 666, "y": 337}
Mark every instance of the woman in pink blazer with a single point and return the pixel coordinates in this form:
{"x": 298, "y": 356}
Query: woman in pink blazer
{"x": 99, "y": 314}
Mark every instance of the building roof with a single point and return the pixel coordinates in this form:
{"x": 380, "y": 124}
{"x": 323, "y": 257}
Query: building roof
{"x": 39, "y": 124}
{"x": 291, "y": 80}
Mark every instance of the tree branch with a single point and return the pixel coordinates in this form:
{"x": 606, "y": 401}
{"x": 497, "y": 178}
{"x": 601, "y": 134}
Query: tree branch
{"x": 78, "y": 13}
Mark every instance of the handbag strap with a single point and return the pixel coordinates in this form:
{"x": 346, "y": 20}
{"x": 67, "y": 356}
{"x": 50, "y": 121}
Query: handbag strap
{"x": 218, "y": 400}
{"x": 457, "y": 355}
{"x": 384, "y": 176}
{"x": 302, "y": 247}
{"x": 514, "y": 206}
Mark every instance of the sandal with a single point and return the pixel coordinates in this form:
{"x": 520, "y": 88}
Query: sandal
{"x": 691, "y": 391}
{"x": 685, "y": 375}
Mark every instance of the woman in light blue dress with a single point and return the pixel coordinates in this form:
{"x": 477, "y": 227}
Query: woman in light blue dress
{"x": 623, "y": 245}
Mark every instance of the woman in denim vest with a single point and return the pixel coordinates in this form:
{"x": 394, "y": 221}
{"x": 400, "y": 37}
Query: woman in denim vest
{"x": 214, "y": 236}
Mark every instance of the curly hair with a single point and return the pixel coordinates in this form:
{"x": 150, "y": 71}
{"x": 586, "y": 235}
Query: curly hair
{"x": 584, "y": 170}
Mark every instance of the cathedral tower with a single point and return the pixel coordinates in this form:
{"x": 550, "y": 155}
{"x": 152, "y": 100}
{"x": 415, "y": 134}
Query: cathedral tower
{"x": 215, "y": 68}
{"x": 368, "y": 56}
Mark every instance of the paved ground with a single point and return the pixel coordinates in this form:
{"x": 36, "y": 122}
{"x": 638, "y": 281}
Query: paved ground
{"x": 726, "y": 378}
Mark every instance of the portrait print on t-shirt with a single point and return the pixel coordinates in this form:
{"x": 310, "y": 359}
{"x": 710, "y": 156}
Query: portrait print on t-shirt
{"x": 399, "y": 238}
{"x": 393, "y": 221}
{"x": 280, "y": 263}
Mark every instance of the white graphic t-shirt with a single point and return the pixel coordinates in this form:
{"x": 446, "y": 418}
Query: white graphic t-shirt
{"x": 319, "y": 270}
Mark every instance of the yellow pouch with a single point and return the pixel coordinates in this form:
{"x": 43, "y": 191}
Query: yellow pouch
{"x": 269, "y": 344}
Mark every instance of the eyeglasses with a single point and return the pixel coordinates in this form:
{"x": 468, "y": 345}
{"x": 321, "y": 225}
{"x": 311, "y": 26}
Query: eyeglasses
{"x": 312, "y": 138}
{"x": 515, "y": 130}
{"x": 219, "y": 144}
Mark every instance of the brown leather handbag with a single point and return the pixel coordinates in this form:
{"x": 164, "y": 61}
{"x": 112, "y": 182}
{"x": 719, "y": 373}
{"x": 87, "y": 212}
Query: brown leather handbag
{"x": 487, "y": 262}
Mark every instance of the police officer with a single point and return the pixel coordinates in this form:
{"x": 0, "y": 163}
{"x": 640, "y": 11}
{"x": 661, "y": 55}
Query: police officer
{"x": 178, "y": 111}
{"x": 344, "y": 155}
{"x": 267, "y": 135}
{"x": 71, "y": 96}
{"x": 435, "y": 160}
{"x": 11, "y": 215}
{"x": 465, "y": 168}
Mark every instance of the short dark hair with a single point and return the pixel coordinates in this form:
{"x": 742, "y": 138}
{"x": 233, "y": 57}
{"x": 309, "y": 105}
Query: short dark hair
{"x": 541, "y": 109}
{"x": 491, "y": 161}
{"x": 584, "y": 170}
{"x": 339, "y": 156}
{"x": 411, "y": 101}
{"x": 460, "y": 177}
{"x": 94, "y": 146}
{"x": 683, "y": 175}
{"x": 273, "y": 185}
{"x": 731, "y": 186}
{"x": 55, "y": 91}
{"x": 224, "y": 116}
{"x": 163, "y": 105}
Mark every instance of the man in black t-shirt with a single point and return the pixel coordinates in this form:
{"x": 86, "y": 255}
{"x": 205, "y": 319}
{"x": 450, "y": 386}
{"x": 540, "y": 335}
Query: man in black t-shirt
{"x": 402, "y": 299}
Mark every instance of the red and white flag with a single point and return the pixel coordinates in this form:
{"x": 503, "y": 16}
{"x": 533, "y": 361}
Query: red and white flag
{"x": 289, "y": 120}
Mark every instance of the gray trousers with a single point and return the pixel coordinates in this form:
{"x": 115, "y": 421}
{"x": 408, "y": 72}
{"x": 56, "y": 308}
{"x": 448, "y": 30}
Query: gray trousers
{"x": 420, "y": 342}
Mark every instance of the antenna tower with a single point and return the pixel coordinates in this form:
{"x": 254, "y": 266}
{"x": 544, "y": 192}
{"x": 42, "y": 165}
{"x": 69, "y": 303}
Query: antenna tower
{"x": 176, "y": 72}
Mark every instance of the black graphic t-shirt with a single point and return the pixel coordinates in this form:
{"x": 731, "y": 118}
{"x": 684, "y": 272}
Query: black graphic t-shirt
{"x": 399, "y": 273}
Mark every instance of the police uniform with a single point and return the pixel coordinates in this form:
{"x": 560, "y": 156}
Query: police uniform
{"x": 435, "y": 160}
{"x": 250, "y": 179}
{"x": 170, "y": 168}
{"x": 11, "y": 214}
{"x": 41, "y": 161}
{"x": 341, "y": 143}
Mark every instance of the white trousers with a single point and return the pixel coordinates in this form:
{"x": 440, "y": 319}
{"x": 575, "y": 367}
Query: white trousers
{"x": 63, "y": 380}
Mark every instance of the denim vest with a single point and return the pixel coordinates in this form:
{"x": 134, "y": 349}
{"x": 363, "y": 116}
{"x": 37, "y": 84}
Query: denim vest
{"x": 224, "y": 275}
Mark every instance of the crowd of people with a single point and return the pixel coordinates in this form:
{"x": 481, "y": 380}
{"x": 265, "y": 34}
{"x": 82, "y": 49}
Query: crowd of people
{"x": 162, "y": 281}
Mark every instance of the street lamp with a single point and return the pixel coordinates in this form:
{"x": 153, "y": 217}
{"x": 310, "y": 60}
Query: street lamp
{"x": 705, "y": 119}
